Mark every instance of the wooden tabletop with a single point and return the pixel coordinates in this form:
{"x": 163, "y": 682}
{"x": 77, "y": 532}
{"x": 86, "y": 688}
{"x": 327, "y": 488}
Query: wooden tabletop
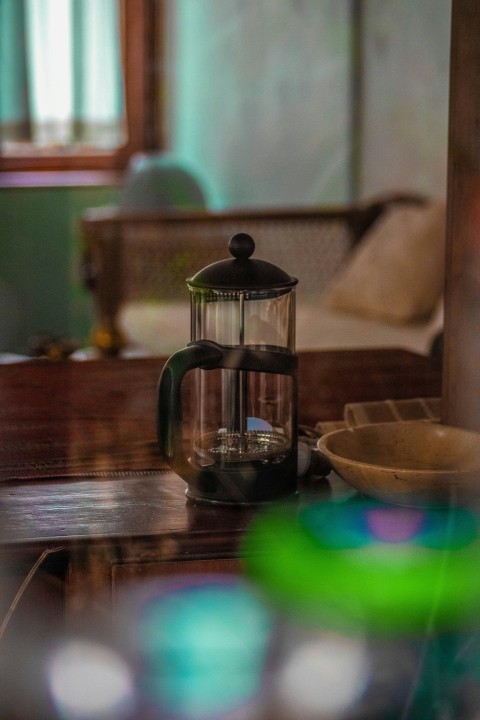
{"x": 78, "y": 452}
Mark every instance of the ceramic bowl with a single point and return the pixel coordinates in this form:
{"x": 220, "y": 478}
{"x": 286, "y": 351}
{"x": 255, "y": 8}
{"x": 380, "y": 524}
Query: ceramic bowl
{"x": 409, "y": 463}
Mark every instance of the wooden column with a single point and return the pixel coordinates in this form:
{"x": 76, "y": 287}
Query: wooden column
{"x": 461, "y": 378}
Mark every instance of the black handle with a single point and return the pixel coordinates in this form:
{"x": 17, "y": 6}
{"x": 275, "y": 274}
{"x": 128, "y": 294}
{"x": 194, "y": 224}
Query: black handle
{"x": 169, "y": 410}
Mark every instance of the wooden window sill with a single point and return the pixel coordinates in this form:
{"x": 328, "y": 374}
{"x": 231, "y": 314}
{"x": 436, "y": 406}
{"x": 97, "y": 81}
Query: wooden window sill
{"x": 61, "y": 178}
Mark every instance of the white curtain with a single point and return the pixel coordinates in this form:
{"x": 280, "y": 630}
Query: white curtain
{"x": 67, "y": 68}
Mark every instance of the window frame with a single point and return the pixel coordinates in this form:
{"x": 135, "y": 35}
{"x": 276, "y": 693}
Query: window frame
{"x": 142, "y": 27}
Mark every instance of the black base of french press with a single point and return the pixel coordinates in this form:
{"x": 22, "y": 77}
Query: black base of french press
{"x": 250, "y": 484}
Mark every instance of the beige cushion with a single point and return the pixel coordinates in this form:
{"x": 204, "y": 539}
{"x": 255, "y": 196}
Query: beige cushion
{"x": 163, "y": 328}
{"x": 397, "y": 271}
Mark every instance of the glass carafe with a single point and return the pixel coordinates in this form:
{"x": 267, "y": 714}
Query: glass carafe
{"x": 240, "y": 442}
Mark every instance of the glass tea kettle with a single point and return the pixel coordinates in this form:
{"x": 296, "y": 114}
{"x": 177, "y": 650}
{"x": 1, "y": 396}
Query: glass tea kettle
{"x": 240, "y": 443}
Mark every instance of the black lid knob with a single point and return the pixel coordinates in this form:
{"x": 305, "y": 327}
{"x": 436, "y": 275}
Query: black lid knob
{"x": 241, "y": 246}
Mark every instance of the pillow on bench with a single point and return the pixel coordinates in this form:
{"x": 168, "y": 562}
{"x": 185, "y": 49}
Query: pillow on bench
{"x": 396, "y": 274}
{"x": 164, "y": 327}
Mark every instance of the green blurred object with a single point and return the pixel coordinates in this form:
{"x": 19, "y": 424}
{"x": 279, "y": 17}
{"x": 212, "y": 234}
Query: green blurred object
{"x": 367, "y": 567}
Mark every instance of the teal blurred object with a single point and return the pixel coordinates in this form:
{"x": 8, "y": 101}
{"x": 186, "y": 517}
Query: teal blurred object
{"x": 156, "y": 181}
{"x": 201, "y": 643}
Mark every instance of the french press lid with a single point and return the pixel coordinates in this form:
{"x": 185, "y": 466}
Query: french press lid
{"x": 241, "y": 272}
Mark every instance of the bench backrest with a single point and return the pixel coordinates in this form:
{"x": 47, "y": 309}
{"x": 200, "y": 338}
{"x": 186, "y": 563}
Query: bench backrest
{"x": 149, "y": 256}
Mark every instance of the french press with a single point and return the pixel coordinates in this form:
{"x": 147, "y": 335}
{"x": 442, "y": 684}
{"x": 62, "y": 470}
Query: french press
{"x": 240, "y": 444}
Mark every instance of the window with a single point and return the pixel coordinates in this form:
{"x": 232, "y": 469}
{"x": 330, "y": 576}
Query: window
{"x": 79, "y": 83}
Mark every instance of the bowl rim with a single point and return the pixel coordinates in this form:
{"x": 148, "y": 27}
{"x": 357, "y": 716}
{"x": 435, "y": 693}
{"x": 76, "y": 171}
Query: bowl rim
{"x": 330, "y": 455}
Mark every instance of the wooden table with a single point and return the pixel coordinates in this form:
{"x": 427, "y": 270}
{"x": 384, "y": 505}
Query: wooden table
{"x": 82, "y": 481}
{"x": 78, "y": 451}
{"x": 65, "y": 419}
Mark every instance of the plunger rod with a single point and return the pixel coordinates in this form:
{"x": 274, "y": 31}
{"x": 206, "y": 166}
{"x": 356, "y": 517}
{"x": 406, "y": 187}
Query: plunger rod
{"x": 242, "y": 379}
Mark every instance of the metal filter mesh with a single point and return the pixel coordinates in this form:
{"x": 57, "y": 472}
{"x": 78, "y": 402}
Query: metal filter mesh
{"x": 225, "y": 446}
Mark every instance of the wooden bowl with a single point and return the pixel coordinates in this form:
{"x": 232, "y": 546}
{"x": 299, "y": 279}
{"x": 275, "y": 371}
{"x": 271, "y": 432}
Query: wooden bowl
{"x": 409, "y": 463}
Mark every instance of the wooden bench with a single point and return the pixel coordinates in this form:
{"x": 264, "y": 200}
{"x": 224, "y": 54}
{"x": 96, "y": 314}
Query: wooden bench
{"x": 133, "y": 257}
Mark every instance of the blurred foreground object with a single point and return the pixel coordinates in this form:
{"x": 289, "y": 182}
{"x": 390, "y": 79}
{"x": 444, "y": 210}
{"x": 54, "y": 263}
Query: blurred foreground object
{"x": 377, "y": 603}
{"x": 198, "y": 645}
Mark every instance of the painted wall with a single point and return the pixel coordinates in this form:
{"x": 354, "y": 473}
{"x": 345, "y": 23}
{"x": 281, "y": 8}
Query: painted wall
{"x": 261, "y": 100}
{"x": 405, "y": 96}
{"x": 40, "y": 250}
{"x": 261, "y": 105}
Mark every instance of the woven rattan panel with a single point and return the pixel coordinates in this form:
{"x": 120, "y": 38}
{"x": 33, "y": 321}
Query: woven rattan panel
{"x": 158, "y": 257}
